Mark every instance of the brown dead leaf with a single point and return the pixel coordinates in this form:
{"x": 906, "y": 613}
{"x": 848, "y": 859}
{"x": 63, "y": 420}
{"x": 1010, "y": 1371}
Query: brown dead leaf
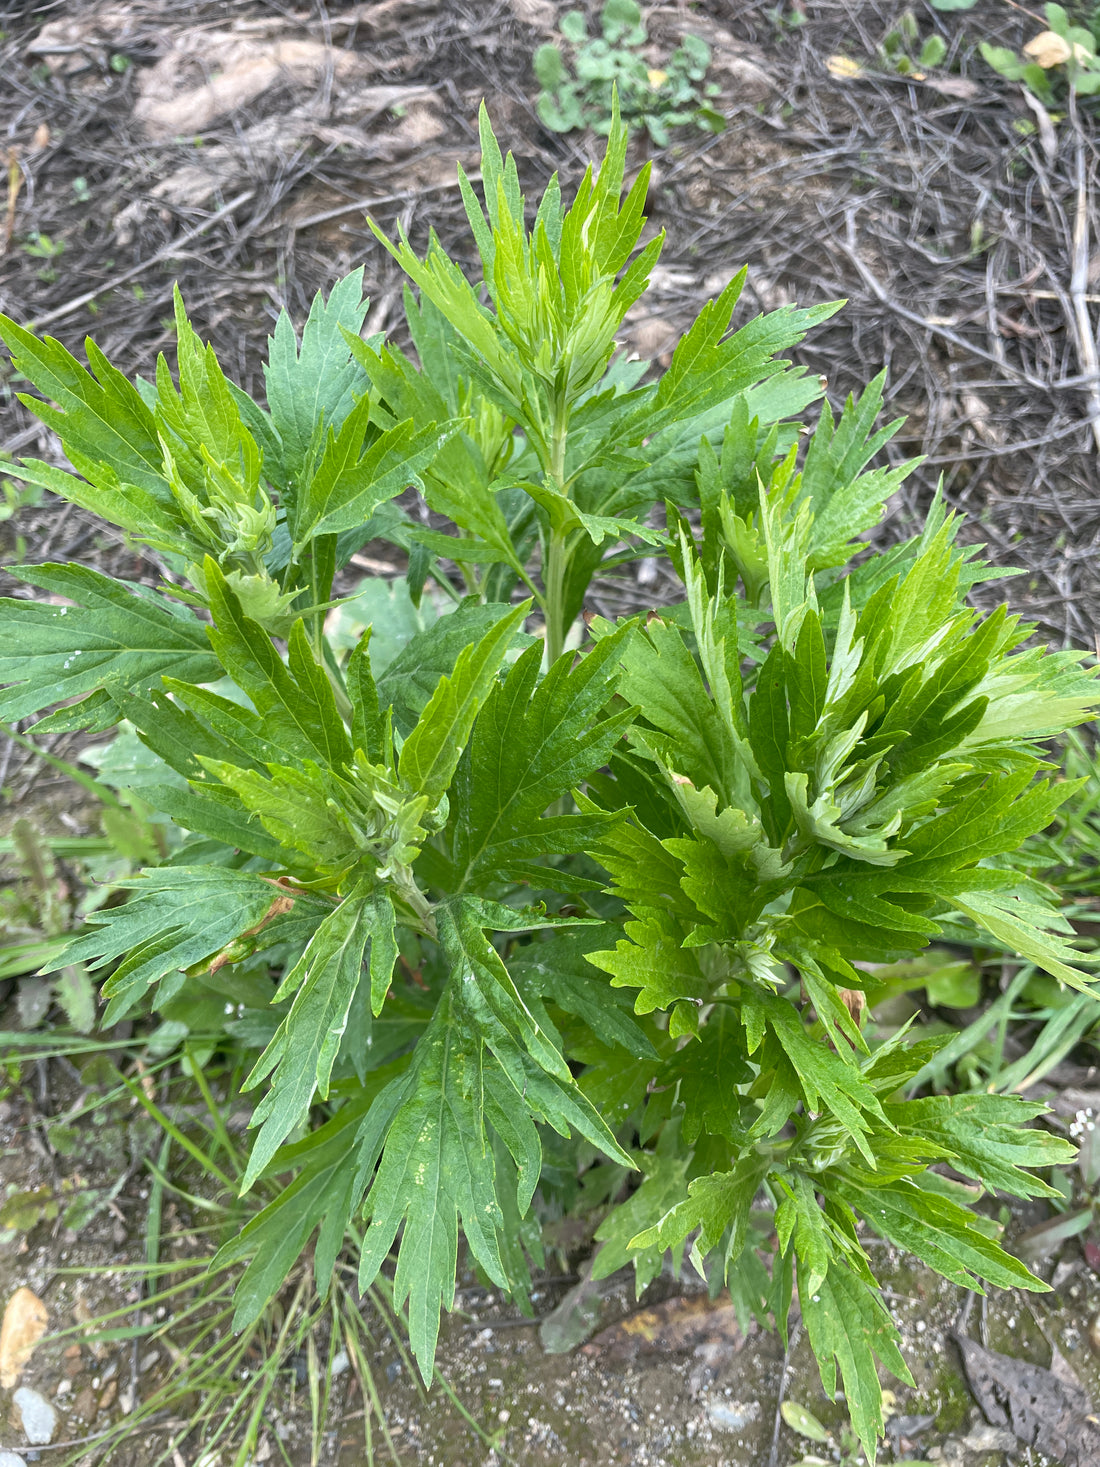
{"x": 380, "y": 19}
{"x": 422, "y": 124}
{"x": 676, "y": 1327}
{"x": 843, "y": 67}
{"x": 1048, "y": 139}
{"x": 24, "y": 1325}
{"x": 975, "y": 411}
{"x": 83, "y": 1315}
{"x": 960, "y": 87}
{"x": 1047, "y": 1409}
{"x": 854, "y": 1000}
{"x": 1048, "y": 49}
{"x": 15, "y": 183}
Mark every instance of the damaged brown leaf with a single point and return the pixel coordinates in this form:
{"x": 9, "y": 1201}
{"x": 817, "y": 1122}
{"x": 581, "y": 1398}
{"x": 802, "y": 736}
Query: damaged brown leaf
{"x": 674, "y": 1327}
{"x": 1047, "y": 1409}
{"x": 23, "y": 1326}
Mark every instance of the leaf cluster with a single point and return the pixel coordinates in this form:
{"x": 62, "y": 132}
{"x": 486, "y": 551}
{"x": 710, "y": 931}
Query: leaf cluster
{"x": 611, "y": 69}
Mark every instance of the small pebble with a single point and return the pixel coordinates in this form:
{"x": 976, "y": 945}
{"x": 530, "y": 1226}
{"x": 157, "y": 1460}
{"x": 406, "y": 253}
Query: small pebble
{"x": 732, "y": 1415}
{"x": 85, "y": 1405}
{"x": 38, "y": 1416}
{"x": 10, "y": 1459}
{"x": 985, "y": 1438}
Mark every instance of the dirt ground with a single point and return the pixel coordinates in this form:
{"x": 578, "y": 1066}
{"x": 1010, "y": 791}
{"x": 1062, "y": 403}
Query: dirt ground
{"x": 235, "y": 147}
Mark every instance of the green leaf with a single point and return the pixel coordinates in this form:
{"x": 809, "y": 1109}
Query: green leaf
{"x": 1027, "y": 928}
{"x": 547, "y": 65}
{"x": 301, "y": 1054}
{"x": 849, "y": 1326}
{"x": 845, "y": 501}
{"x": 573, "y": 28}
{"x": 661, "y": 677}
{"x": 219, "y": 813}
{"x": 114, "y": 637}
{"x": 714, "y": 1204}
{"x": 986, "y": 1137}
{"x": 412, "y": 676}
{"x": 102, "y": 422}
{"x": 482, "y": 1060}
{"x": 75, "y": 992}
{"x": 533, "y": 742}
{"x": 799, "y": 1214}
{"x": 803, "y": 1421}
{"x": 665, "y": 1173}
{"x": 708, "y": 1071}
{"x": 652, "y": 958}
{"x": 936, "y": 1230}
{"x": 432, "y": 750}
{"x": 297, "y": 807}
{"x": 436, "y": 1169}
{"x": 351, "y": 481}
{"x": 826, "y": 1080}
{"x": 314, "y": 388}
{"x": 296, "y": 701}
{"x": 178, "y": 917}
{"x": 559, "y": 970}
{"x": 708, "y": 367}
{"x": 320, "y": 1194}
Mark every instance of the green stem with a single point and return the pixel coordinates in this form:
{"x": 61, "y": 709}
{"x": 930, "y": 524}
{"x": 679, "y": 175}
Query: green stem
{"x": 317, "y": 620}
{"x": 555, "y": 544}
{"x": 554, "y": 580}
{"x": 343, "y": 702}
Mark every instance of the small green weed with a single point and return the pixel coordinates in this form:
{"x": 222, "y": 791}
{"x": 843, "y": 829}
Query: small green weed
{"x": 898, "y": 51}
{"x": 37, "y": 914}
{"x": 785, "y": 19}
{"x": 13, "y": 498}
{"x": 656, "y": 98}
{"x": 17, "y": 497}
{"x": 1058, "y": 61}
{"x": 44, "y": 247}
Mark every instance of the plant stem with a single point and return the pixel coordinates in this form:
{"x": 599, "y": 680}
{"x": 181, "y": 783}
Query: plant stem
{"x": 553, "y": 577}
{"x": 555, "y": 543}
{"x": 343, "y": 702}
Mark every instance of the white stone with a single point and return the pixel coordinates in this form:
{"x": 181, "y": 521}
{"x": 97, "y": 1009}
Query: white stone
{"x": 732, "y": 1415}
{"x": 38, "y": 1416}
{"x": 10, "y": 1459}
